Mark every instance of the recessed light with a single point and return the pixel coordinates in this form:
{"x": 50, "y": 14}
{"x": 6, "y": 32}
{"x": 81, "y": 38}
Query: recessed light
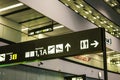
{"x": 81, "y": 5}
{"x": 105, "y": 21}
{"x": 11, "y": 7}
{"x": 117, "y": 29}
{"x": 111, "y": 26}
{"x": 66, "y": 4}
{"x": 112, "y": 5}
{"x": 92, "y": 21}
{"x": 112, "y": 33}
{"x": 108, "y": 26}
{"x": 114, "y": 30}
{"x": 32, "y": 33}
{"x": 76, "y": 11}
{"x": 94, "y": 18}
{"x": 98, "y": 17}
{"x": 86, "y": 12}
{"x": 90, "y": 11}
{"x": 117, "y": 36}
{"x": 107, "y": 0}
{"x": 102, "y": 22}
{"x": 99, "y": 25}
{"x": 106, "y": 29}
{"x": 118, "y": 65}
{"x": 85, "y": 16}
{"x": 58, "y": 27}
{"x": 24, "y": 29}
{"x": 77, "y": 6}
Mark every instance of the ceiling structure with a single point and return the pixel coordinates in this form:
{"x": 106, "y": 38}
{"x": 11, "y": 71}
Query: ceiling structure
{"x": 82, "y": 8}
{"x": 30, "y": 19}
{"x": 115, "y": 4}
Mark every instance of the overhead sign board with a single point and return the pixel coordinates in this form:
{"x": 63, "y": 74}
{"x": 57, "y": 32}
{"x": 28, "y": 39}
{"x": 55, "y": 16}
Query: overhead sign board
{"x": 40, "y": 30}
{"x": 78, "y": 43}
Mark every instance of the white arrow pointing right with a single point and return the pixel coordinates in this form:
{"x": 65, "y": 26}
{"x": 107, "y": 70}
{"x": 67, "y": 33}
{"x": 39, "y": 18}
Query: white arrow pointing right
{"x": 95, "y": 44}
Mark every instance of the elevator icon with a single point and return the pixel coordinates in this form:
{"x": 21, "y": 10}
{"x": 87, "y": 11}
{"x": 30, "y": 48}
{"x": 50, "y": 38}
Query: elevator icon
{"x": 84, "y": 44}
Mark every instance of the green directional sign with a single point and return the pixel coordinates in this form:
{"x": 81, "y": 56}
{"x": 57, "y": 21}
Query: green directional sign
{"x": 77, "y": 43}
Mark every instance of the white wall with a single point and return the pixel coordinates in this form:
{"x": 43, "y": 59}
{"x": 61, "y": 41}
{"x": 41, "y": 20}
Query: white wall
{"x": 115, "y": 42}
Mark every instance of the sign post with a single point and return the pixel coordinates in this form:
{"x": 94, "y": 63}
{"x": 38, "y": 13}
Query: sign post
{"x": 104, "y": 57}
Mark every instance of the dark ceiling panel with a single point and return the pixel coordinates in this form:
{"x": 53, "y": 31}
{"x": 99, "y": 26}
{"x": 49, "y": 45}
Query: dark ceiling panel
{"x": 118, "y": 1}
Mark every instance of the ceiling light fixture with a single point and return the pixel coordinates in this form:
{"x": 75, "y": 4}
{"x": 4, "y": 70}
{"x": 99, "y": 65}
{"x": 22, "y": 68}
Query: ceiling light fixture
{"x": 106, "y": 0}
{"x": 86, "y": 12}
{"x": 114, "y": 30}
{"x": 118, "y": 65}
{"x": 57, "y": 27}
{"x": 77, "y": 6}
{"x": 85, "y": 16}
{"x": 102, "y": 22}
{"x": 112, "y": 33}
{"x": 111, "y": 26}
{"x": 94, "y": 18}
{"x": 76, "y": 11}
{"x": 110, "y": 52}
{"x": 81, "y": 5}
{"x": 108, "y": 26}
{"x": 105, "y": 21}
{"x": 98, "y": 17}
{"x": 117, "y": 29}
{"x": 11, "y": 7}
{"x": 99, "y": 25}
{"x": 90, "y": 11}
{"x": 117, "y": 36}
{"x": 24, "y": 29}
{"x": 66, "y": 4}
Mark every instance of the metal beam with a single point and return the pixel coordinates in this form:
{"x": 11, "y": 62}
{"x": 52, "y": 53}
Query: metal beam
{"x": 31, "y": 19}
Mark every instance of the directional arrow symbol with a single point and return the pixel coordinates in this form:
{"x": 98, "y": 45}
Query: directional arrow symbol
{"x": 95, "y": 44}
{"x": 68, "y": 46}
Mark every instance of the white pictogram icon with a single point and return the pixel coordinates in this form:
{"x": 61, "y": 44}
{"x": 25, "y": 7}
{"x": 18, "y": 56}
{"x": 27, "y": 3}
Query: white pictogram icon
{"x": 27, "y": 55}
{"x": 68, "y": 46}
{"x": 51, "y": 49}
{"x": 84, "y": 44}
{"x": 95, "y": 44}
{"x": 2, "y": 57}
{"x": 59, "y": 48}
{"x": 32, "y": 54}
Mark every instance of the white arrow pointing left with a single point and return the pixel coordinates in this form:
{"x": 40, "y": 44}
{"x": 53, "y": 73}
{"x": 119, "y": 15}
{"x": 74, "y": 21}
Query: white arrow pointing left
{"x": 95, "y": 44}
{"x": 68, "y": 46}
